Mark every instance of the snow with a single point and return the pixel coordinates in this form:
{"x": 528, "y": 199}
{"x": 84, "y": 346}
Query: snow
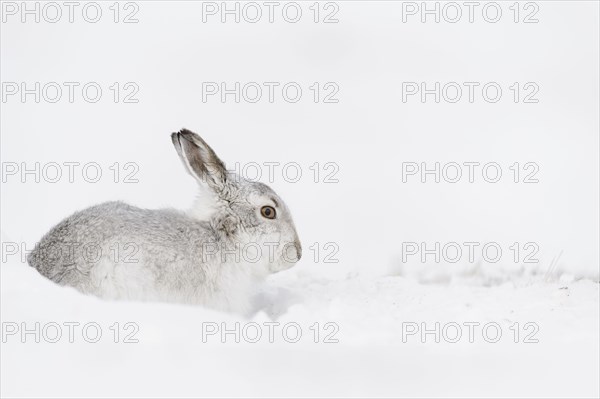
{"x": 371, "y": 355}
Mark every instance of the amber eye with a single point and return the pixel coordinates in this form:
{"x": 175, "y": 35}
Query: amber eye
{"x": 268, "y": 212}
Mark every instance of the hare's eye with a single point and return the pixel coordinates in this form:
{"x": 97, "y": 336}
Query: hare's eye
{"x": 268, "y": 212}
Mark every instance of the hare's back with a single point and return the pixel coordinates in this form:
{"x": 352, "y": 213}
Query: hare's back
{"x": 118, "y": 233}
{"x": 118, "y": 220}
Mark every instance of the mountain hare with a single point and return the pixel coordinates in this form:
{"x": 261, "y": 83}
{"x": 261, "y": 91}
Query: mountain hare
{"x": 236, "y": 234}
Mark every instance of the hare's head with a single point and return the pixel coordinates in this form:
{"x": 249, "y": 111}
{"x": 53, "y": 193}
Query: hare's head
{"x": 246, "y": 214}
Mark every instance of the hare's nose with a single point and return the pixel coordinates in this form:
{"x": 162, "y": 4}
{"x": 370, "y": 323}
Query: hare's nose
{"x": 298, "y": 249}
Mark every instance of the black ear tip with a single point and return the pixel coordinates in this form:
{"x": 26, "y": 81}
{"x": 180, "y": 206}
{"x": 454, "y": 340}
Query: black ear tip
{"x": 175, "y": 138}
{"x": 187, "y": 134}
{"x": 192, "y": 138}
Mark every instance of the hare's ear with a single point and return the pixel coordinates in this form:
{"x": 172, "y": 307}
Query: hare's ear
{"x": 199, "y": 159}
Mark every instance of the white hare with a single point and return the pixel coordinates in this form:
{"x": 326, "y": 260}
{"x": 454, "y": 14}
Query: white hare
{"x": 237, "y": 233}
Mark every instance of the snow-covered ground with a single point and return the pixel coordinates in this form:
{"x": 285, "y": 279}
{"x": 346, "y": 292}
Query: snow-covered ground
{"x": 375, "y": 345}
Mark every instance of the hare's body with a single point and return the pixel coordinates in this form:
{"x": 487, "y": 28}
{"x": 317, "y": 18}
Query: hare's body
{"x": 118, "y": 251}
{"x": 212, "y": 255}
